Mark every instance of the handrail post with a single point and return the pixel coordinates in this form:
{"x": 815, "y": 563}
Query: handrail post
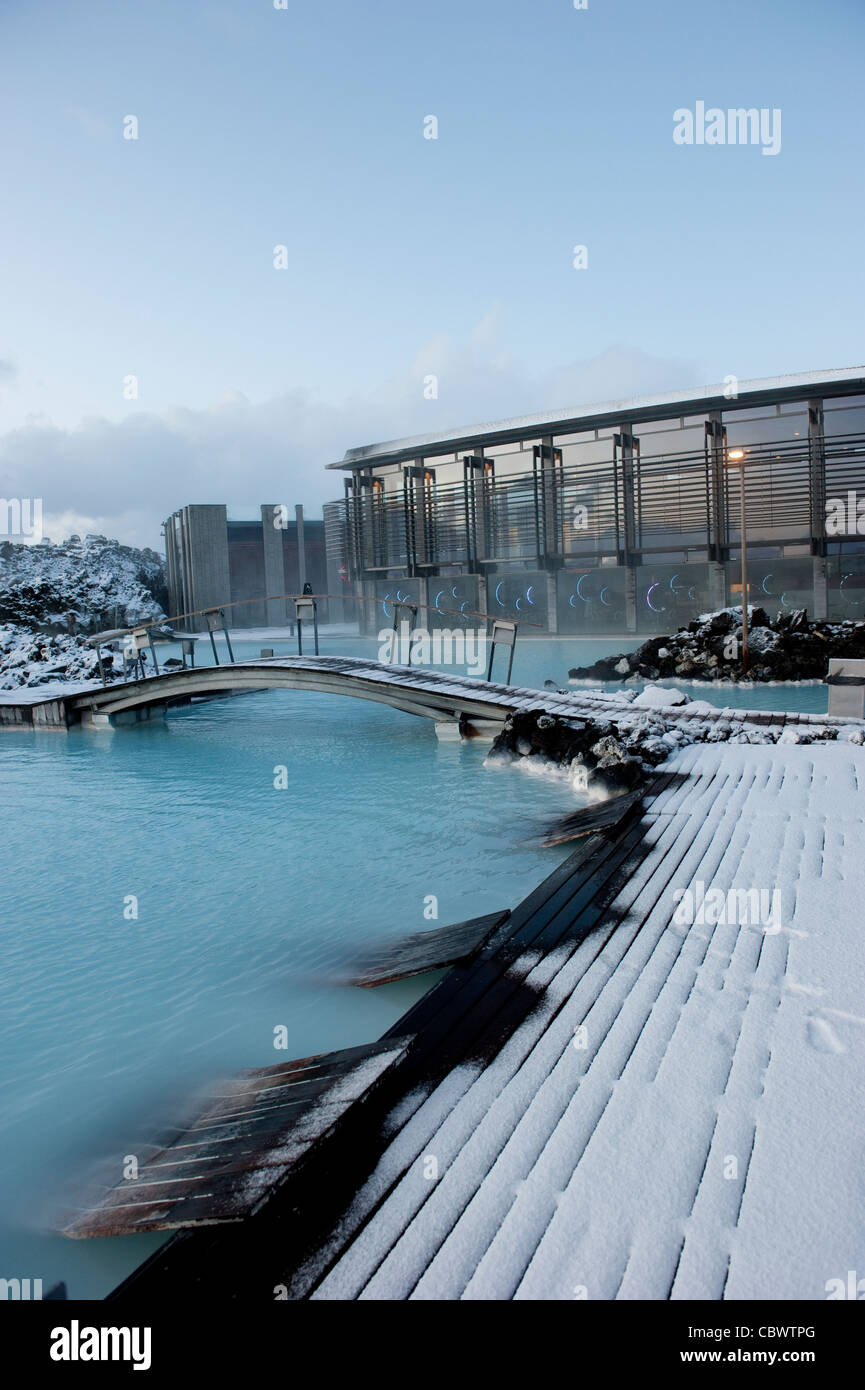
{"x": 504, "y": 634}
{"x": 398, "y": 606}
{"x": 304, "y": 610}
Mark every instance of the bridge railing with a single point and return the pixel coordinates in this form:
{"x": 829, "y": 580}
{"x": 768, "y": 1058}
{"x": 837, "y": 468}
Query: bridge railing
{"x": 138, "y": 643}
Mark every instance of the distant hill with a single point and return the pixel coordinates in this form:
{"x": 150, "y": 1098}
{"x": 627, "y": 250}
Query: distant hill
{"x": 80, "y": 585}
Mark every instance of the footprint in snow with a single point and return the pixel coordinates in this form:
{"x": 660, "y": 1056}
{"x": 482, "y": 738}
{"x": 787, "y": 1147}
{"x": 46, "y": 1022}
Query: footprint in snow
{"x": 822, "y": 1036}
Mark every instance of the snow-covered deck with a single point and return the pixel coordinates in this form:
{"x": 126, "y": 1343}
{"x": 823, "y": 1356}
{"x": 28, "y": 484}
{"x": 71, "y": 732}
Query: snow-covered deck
{"x": 705, "y": 1141}
{"x": 608, "y": 1102}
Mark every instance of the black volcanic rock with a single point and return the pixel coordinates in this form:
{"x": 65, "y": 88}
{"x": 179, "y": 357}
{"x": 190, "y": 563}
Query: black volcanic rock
{"x": 785, "y": 648}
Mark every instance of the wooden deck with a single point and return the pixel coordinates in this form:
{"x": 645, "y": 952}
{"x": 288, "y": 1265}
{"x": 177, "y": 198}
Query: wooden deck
{"x": 565, "y": 1109}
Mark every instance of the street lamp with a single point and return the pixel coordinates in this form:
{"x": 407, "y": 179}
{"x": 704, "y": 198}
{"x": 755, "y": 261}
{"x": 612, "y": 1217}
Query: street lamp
{"x": 737, "y": 457}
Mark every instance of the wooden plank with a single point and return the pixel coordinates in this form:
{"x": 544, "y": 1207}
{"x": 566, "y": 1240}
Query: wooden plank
{"x": 227, "y": 1163}
{"x": 589, "y": 819}
{"x": 423, "y": 951}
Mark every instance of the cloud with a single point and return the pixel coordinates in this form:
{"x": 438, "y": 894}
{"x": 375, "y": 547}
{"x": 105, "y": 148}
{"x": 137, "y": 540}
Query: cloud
{"x": 123, "y": 478}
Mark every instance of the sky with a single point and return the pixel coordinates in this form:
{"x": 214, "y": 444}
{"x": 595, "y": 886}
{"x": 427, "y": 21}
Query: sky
{"x": 153, "y": 355}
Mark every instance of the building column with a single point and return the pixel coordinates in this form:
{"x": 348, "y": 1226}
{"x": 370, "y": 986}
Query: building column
{"x": 630, "y": 599}
{"x": 274, "y": 564}
{"x": 552, "y": 603}
{"x": 368, "y": 615}
{"x": 717, "y": 586}
{"x": 821, "y": 589}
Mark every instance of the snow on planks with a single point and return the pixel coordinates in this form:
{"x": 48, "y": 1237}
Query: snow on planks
{"x": 605, "y": 1167}
{"x": 252, "y": 1131}
{"x": 604, "y": 1170}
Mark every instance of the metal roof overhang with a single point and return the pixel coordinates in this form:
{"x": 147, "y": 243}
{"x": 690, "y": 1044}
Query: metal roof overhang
{"x": 765, "y": 391}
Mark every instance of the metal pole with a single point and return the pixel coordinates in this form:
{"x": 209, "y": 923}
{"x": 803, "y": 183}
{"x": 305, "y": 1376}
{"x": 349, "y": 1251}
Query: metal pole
{"x": 213, "y": 645}
{"x": 228, "y": 642}
{"x": 510, "y": 664}
{"x": 744, "y": 569}
{"x": 315, "y": 623}
{"x": 99, "y": 659}
{"x": 153, "y": 651}
{"x": 490, "y": 662}
{"x": 300, "y": 637}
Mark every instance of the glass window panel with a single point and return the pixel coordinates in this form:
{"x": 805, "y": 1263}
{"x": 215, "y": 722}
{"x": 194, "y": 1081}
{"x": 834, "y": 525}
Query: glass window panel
{"x": 669, "y": 595}
{"x": 768, "y": 430}
{"x": 671, "y": 442}
{"x": 849, "y": 421}
{"x": 591, "y": 599}
{"x": 586, "y": 437}
{"x": 651, "y": 426}
{"x": 593, "y": 451}
{"x": 750, "y": 412}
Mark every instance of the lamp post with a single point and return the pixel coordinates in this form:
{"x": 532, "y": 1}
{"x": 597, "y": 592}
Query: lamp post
{"x": 737, "y": 457}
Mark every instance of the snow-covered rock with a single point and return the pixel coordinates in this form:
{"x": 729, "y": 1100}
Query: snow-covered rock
{"x": 658, "y": 697}
{"x": 29, "y": 658}
{"x": 785, "y": 648}
{"x": 80, "y": 586}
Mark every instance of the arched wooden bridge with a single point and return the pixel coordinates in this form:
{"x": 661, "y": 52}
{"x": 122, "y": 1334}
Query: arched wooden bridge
{"x": 450, "y": 700}
{"x": 444, "y": 698}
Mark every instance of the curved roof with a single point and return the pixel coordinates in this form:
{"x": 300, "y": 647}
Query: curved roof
{"x": 764, "y": 390}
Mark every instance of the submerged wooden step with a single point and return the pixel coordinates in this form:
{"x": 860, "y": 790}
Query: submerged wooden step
{"x": 427, "y": 950}
{"x": 250, "y": 1133}
{"x": 601, "y": 815}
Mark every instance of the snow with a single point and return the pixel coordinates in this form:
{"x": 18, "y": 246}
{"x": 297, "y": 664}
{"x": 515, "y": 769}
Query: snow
{"x": 660, "y": 697}
{"x": 704, "y": 1142}
{"x": 95, "y": 580}
{"x": 59, "y": 663}
{"x": 47, "y": 592}
{"x": 47, "y": 690}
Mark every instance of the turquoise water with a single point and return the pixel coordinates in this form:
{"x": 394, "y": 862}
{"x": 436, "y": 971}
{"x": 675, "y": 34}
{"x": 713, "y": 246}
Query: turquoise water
{"x": 248, "y": 900}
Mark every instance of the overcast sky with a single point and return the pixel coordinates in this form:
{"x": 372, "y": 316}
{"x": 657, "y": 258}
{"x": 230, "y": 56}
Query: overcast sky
{"x": 303, "y": 127}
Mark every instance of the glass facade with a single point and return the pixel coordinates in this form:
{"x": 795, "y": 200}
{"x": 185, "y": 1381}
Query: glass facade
{"x": 519, "y": 596}
{"x": 591, "y": 600}
{"x": 669, "y": 595}
{"x": 633, "y": 524}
